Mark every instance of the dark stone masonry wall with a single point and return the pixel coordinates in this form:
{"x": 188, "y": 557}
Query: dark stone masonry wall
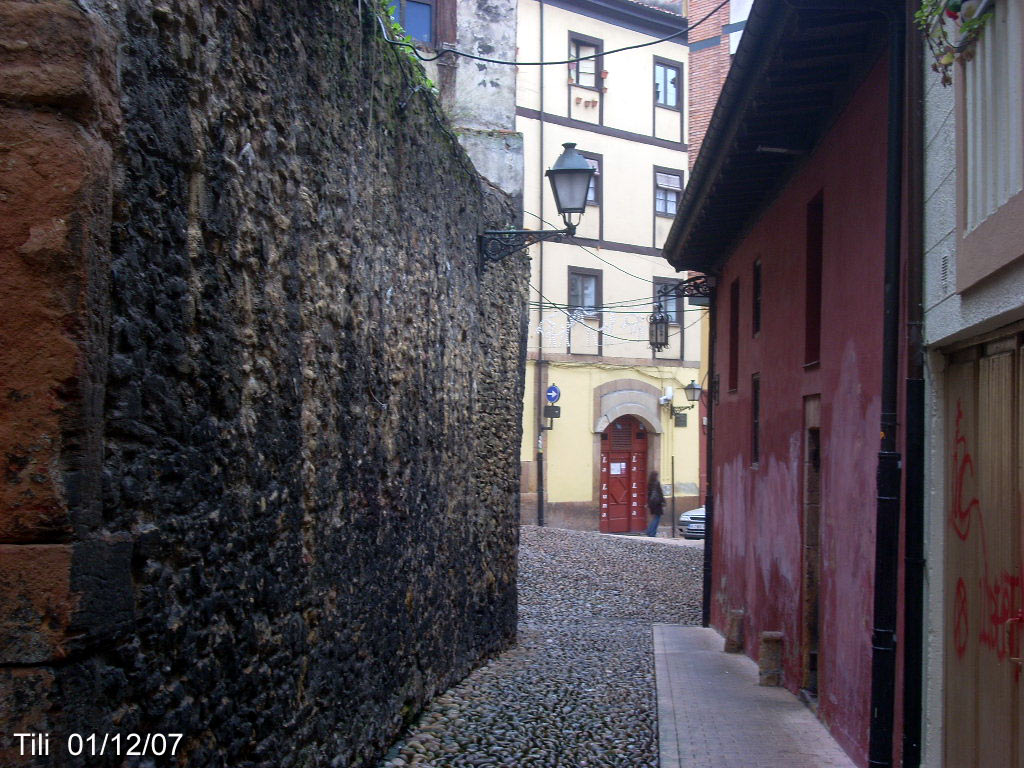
{"x": 285, "y": 509}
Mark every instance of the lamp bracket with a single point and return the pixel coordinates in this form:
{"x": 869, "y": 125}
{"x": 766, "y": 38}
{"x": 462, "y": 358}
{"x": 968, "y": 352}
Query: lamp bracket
{"x": 678, "y": 409}
{"x": 701, "y": 285}
{"x": 496, "y": 244}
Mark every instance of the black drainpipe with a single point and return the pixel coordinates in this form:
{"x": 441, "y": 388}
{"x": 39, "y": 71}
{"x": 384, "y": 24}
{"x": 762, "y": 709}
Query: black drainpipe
{"x": 887, "y": 534}
{"x": 709, "y": 496}
{"x": 914, "y": 556}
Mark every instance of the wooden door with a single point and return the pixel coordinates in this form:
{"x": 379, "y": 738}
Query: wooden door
{"x": 623, "y": 488}
{"x": 983, "y": 589}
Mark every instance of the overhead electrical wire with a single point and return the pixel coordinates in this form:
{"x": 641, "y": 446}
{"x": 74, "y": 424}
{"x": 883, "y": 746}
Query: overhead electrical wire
{"x": 477, "y": 57}
{"x": 611, "y": 335}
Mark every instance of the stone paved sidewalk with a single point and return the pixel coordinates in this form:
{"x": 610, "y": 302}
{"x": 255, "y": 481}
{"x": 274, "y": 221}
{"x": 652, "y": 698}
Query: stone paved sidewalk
{"x": 713, "y": 714}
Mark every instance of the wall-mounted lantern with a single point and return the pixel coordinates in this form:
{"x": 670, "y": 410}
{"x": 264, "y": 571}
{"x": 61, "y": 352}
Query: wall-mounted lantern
{"x": 692, "y": 391}
{"x": 658, "y": 329}
{"x": 699, "y": 286}
{"x": 570, "y": 179}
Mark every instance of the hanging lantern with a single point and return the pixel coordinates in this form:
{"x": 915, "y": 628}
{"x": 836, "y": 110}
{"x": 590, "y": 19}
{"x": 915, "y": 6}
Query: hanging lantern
{"x": 658, "y": 329}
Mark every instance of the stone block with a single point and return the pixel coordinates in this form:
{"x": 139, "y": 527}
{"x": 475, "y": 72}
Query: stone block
{"x": 57, "y": 598}
{"x": 25, "y": 707}
{"x": 734, "y": 631}
{"x": 36, "y": 603}
{"x": 769, "y": 660}
{"x": 54, "y": 54}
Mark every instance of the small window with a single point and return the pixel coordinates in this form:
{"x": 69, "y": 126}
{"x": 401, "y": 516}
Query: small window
{"x": 666, "y": 90}
{"x": 584, "y": 72}
{"x": 594, "y": 190}
{"x": 669, "y": 302}
{"x": 415, "y": 17}
{"x": 667, "y": 188}
{"x": 812, "y": 291}
{"x": 755, "y": 419}
{"x": 584, "y": 291}
{"x": 734, "y": 335}
{"x": 756, "y": 291}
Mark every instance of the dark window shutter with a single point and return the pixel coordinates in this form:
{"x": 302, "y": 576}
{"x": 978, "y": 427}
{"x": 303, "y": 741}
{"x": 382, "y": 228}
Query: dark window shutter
{"x": 447, "y": 23}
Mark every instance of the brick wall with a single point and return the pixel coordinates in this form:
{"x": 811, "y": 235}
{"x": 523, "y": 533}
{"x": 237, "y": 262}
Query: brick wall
{"x": 708, "y": 68}
{"x": 260, "y": 412}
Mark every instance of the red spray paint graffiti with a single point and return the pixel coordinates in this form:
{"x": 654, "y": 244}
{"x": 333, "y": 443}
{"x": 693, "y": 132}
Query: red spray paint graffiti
{"x": 960, "y": 514}
{"x": 1002, "y": 597}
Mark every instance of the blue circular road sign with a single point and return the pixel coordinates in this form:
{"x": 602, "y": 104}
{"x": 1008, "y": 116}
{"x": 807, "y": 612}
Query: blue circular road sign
{"x": 553, "y": 394}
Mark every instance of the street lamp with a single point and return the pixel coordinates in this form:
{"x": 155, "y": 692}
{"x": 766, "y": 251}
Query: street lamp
{"x": 570, "y": 179}
{"x": 692, "y": 391}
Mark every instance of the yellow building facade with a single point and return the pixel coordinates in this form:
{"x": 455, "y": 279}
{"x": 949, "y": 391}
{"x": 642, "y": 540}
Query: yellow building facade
{"x": 623, "y": 413}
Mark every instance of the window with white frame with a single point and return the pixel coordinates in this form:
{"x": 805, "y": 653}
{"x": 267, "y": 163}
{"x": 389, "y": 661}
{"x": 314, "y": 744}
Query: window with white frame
{"x": 667, "y": 188}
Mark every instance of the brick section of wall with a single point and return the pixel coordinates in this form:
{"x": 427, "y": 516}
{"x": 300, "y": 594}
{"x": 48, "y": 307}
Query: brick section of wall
{"x": 708, "y": 69}
{"x": 58, "y": 116}
{"x": 261, "y": 412}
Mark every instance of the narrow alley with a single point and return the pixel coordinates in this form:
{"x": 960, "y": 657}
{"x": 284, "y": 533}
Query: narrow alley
{"x": 578, "y": 689}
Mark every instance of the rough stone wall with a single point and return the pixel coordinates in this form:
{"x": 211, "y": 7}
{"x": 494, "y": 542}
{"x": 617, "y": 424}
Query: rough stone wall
{"x": 261, "y": 447}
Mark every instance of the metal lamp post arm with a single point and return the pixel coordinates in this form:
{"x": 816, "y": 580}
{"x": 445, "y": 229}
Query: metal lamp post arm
{"x": 699, "y": 286}
{"x": 496, "y": 244}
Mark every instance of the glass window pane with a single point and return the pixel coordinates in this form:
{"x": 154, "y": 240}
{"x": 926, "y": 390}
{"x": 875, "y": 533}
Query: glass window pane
{"x": 592, "y": 189}
{"x": 670, "y": 86}
{"x": 418, "y": 21}
{"x": 668, "y": 180}
{"x": 583, "y": 292}
{"x": 586, "y": 71}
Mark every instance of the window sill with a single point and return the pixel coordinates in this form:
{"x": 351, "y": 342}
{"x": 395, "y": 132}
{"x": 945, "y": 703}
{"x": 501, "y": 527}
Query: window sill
{"x": 670, "y": 109}
{"x": 664, "y": 215}
{"x": 812, "y": 365}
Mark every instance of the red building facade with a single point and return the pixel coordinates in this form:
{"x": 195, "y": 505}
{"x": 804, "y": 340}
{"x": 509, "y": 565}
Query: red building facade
{"x": 787, "y": 209}
{"x": 816, "y": 379}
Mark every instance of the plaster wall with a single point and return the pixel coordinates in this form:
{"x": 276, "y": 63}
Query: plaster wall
{"x": 758, "y": 537}
{"x": 627, "y": 105}
{"x": 627, "y": 183}
{"x": 574, "y": 443}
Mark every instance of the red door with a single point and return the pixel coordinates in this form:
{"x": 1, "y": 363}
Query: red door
{"x": 623, "y": 477}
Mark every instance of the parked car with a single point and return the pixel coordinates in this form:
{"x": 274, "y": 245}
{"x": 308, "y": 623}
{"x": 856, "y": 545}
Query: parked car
{"x": 692, "y": 523}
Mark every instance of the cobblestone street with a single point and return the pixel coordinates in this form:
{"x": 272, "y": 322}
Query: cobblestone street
{"x": 579, "y": 688}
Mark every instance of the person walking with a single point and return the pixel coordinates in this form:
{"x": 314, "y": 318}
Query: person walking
{"x": 655, "y": 503}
